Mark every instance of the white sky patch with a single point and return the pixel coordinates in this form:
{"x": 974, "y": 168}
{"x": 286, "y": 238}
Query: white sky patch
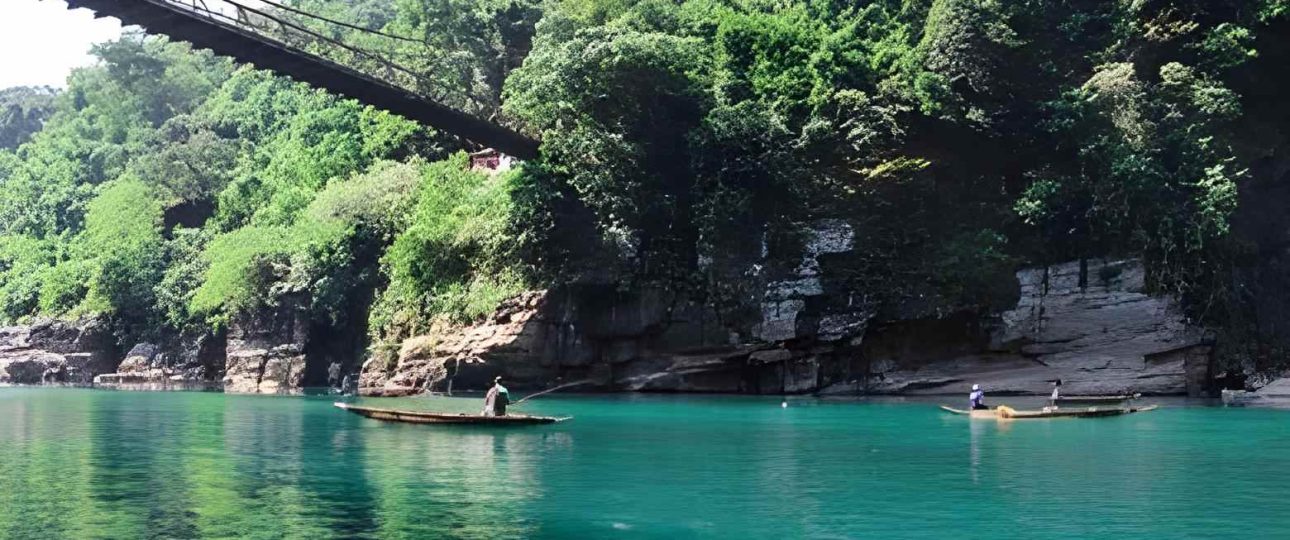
{"x": 41, "y": 41}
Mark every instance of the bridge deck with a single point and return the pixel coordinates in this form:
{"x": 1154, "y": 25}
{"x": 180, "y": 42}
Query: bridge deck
{"x": 160, "y": 17}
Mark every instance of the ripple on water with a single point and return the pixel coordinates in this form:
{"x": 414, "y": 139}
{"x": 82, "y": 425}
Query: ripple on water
{"x": 77, "y": 464}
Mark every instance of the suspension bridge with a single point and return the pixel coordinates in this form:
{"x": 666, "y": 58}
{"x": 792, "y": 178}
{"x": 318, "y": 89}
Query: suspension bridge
{"x": 235, "y": 37}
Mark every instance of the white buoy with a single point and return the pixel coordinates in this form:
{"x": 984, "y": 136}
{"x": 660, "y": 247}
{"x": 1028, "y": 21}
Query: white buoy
{"x": 783, "y": 404}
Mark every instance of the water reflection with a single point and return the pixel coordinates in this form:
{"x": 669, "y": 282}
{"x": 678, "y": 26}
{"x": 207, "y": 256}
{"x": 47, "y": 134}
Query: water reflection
{"x": 80, "y": 464}
{"x": 138, "y": 485}
{"x": 42, "y": 480}
{"x": 453, "y": 482}
{"x": 975, "y": 432}
{"x": 296, "y": 471}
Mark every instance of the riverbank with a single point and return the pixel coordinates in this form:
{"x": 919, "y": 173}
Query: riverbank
{"x": 76, "y": 463}
{"x": 1091, "y": 324}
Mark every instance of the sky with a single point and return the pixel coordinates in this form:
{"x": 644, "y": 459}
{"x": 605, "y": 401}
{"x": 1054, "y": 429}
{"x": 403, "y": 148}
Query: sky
{"x": 41, "y": 41}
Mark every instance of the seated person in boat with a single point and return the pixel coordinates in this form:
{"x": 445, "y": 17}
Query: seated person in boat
{"x": 496, "y": 400}
{"x": 977, "y": 398}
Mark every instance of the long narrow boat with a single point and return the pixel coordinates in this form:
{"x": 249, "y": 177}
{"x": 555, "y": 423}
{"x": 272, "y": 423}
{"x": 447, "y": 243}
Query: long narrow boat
{"x": 426, "y": 417}
{"x": 1009, "y": 414}
{"x": 1097, "y": 399}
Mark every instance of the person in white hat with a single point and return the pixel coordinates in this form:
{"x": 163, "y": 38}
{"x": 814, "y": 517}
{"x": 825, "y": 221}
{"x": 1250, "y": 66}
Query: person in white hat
{"x": 977, "y": 398}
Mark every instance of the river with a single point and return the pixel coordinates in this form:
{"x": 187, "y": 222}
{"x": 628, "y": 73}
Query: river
{"x": 101, "y": 464}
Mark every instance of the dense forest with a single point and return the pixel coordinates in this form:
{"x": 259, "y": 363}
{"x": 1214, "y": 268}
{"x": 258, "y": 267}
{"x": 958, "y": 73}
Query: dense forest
{"x": 169, "y": 190}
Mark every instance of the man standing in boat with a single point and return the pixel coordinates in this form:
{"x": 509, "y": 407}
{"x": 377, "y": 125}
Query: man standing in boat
{"x": 1057, "y": 391}
{"x": 977, "y": 398}
{"x": 496, "y": 400}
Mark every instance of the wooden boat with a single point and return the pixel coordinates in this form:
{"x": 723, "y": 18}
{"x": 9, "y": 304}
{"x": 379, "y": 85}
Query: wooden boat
{"x": 1010, "y": 414}
{"x": 1097, "y": 399}
{"x": 426, "y": 417}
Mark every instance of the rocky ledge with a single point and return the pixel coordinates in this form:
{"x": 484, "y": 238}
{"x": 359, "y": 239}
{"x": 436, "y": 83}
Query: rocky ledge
{"x": 1091, "y": 324}
{"x": 150, "y": 367}
{"x": 55, "y": 352}
{"x": 1272, "y": 392}
{"x": 798, "y": 331}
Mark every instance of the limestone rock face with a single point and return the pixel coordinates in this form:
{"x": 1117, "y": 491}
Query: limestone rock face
{"x": 1093, "y": 326}
{"x": 1274, "y": 392}
{"x": 56, "y": 352}
{"x": 266, "y": 351}
{"x": 188, "y": 362}
{"x": 264, "y": 371}
{"x": 511, "y": 333}
{"x": 786, "y": 299}
{"x": 796, "y": 328}
{"x": 786, "y": 313}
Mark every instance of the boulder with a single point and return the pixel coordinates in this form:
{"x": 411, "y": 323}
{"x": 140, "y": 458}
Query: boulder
{"x": 140, "y": 358}
{"x": 43, "y": 367}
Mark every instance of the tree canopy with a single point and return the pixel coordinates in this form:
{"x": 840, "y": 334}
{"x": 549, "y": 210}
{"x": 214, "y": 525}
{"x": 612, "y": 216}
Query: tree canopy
{"x": 166, "y": 188}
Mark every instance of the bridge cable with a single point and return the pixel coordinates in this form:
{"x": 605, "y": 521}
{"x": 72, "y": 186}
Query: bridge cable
{"x": 374, "y": 56}
{"x": 216, "y": 14}
{"x": 340, "y": 23}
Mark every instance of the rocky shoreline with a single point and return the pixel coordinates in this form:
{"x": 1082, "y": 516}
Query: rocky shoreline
{"x": 1100, "y": 335}
{"x": 1091, "y": 324}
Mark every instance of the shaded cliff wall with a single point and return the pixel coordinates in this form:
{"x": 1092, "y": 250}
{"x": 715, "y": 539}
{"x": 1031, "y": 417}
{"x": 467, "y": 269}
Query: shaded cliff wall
{"x": 1093, "y": 325}
{"x": 56, "y": 352}
{"x": 797, "y": 329}
{"x": 771, "y": 335}
{"x": 275, "y": 349}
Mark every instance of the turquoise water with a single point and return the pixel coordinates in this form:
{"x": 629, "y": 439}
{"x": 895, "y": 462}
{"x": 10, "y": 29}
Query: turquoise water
{"x": 98, "y": 464}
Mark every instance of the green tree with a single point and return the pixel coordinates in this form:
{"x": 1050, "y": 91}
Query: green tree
{"x": 23, "y": 111}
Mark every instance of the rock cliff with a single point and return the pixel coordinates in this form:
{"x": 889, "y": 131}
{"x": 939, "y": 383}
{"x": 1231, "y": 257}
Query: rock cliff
{"x": 266, "y": 351}
{"x": 56, "y": 352}
{"x": 782, "y": 325}
{"x": 793, "y": 330}
{"x": 191, "y": 361}
{"x": 1091, "y": 324}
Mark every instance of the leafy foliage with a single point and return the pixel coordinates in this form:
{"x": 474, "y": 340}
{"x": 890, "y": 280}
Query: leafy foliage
{"x": 455, "y": 258}
{"x": 958, "y": 138}
{"x": 23, "y": 111}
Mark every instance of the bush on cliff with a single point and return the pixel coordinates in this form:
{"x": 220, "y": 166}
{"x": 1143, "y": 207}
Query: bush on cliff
{"x": 455, "y": 259}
